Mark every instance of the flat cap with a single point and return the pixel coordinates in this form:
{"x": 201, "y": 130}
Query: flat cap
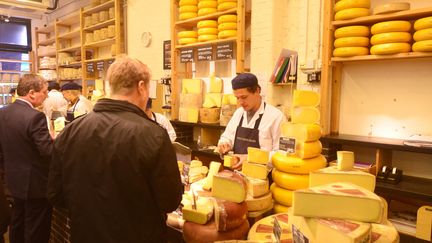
{"x": 71, "y": 86}
{"x": 244, "y": 80}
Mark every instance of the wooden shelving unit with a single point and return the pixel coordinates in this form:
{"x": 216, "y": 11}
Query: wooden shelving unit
{"x": 44, "y": 37}
{"x": 9, "y": 78}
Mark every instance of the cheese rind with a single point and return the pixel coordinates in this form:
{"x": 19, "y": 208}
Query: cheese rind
{"x": 421, "y": 35}
{"x": 257, "y": 171}
{"x": 390, "y": 48}
{"x": 209, "y": 115}
{"x": 305, "y": 114}
{"x": 345, "y": 160}
{"x": 423, "y": 23}
{"x": 290, "y": 181}
{"x": 258, "y": 156}
{"x": 351, "y": 13}
{"x": 345, "y": 4}
{"x": 390, "y": 37}
{"x": 296, "y": 165}
{"x": 350, "y": 51}
{"x": 229, "y": 186}
{"x": 281, "y": 196}
{"x": 422, "y": 46}
{"x": 305, "y": 98}
{"x": 332, "y": 174}
{"x": 259, "y": 203}
{"x": 352, "y": 31}
{"x": 301, "y": 132}
{"x": 199, "y": 233}
{"x": 351, "y": 42}
{"x": 307, "y": 150}
{"x": 257, "y": 187}
{"x": 279, "y": 208}
{"x": 391, "y": 26}
{"x": 229, "y": 215}
{"x": 226, "y": 5}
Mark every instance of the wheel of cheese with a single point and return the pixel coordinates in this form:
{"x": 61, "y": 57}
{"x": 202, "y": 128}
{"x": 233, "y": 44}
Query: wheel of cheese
{"x": 390, "y": 48}
{"x": 290, "y": 181}
{"x": 203, "y": 38}
{"x": 301, "y": 132}
{"x": 209, "y": 115}
{"x": 425, "y": 45}
{"x": 279, "y": 208}
{"x": 345, "y": 4}
{"x": 293, "y": 164}
{"x": 187, "y": 34}
{"x": 262, "y": 230}
{"x": 188, "y": 2}
{"x": 198, "y": 233}
{"x": 351, "y": 13}
{"x": 352, "y": 31}
{"x": 350, "y": 51}
{"x": 188, "y": 15}
{"x": 225, "y": 1}
{"x": 207, "y": 24}
{"x": 259, "y": 203}
{"x": 227, "y": 26}
{"x": 307, "y": 150}
{"x": 227, "y": 18}
{"x": 390, "y": 37}
{"x": 185, "y": 41}
{"x": 207, "y": 4}
{"x": 281, "y": 196}
{"x": 227, "y": 34}
{"x": 423, "y": 23}
{"x": 206, "y": 11}
{"x": 229, "y": 215}
{"x": 351, "y": 42}
{"x": 226, "y": 5}
{"x": 424, "y": 34}
{"x": 391, "y": 26}
{"x": 391, "y": 8}
{"x": 305, "y": 115}
{"x": 208, "y": 31}
{"x": 188, "y": 8}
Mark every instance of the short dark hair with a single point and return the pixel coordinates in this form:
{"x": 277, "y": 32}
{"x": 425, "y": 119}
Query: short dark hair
{"x": 253, "y": 89}
{"x": 30, "y": 82}
{"x": 53, "y": 85}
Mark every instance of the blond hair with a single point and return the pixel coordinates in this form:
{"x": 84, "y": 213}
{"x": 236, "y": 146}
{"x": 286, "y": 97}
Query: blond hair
{"x": 125, "y": 74}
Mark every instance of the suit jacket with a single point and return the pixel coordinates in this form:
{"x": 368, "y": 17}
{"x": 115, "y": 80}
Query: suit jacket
{"x": 25, "y": 150}
{"x": 5, "y": 212}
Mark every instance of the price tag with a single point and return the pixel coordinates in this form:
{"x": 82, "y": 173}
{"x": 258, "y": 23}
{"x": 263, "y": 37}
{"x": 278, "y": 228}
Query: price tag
{"x": 224, "y": 51}
{"x": 298, "y": 236}
{"x": 205, "y": 53}
{"x": 287, "y": 144}
{"x": 186, "y": 55}
{"x": 90, "y": 67}
{"x": 277, "y": 231}
{"x": 100, "y": 66}
{"x": 167, "y": 55}
{"x": 110, "y": 62}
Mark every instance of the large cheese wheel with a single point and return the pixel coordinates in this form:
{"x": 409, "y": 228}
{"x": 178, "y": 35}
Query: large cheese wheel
{"x": 390, "y": 48}
{"x": 227, "y": 26}
{"x": 305, "y": 114}
{"x": 305, "y": 98}
{"x": 306, "y": 150}
{"x": 227, "y": 18}
{"x": 351, "y": 42}
{"x": 301, "y": 132}
{"x": 262, "y": 230}
{"x": 290, "y": 181}
{"x": 350, "y": 51}
{"x": 207, "y": 4}
{"x": 224, "y": 1}
{"x": 185, "y": 41}
{"x": 206, "y": 11}
{"x": 391, "y": 8}
{"x": 279, "y": 208}
{"x": 230, "y": 186}
{"x": 281, "y": 196}
{"x": 423, "y": 23}
{"x": 207, "y": 24}
{"x": 188, "y": 8}
{"x": 203, "y": 38}
{"x": 188, "y": 2}
{"x": 208, "y": 31}
{"x": 229, "y": 215}
{"x": 351, "y": 13}
{"x": 345, "y": 4}
{"x": 293, "y": 164}
{"x": 425, "y": 45}
{"x": 209, "y": 115}
{"x": 190, "y": 100}
{"x": 352, "y": 31}
{"x": 197, "y": 233}
{"x": 188, "y": 15}
{"x": 424, "y": 34}
{"x": 391, "y": 26}
{"x": 227, "y": 34}
{"x": 187, "y": 34}
{"x": 259, "y": 203}
{"x": 390, "y": 37}
{"x": 226, "y": 6}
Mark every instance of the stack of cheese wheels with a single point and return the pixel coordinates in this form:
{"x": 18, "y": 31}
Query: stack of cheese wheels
{"x": 423, "y": 35}
{"x": 262, "y": 230}
{"x": 351, "y": 41}
{"x": 229, "y": 106}
{"x": 188, "y": 9}
{"x": 210, "y": 111}
{"x": 224, "y": 5}
{"x": 206, "y": 7}
{"x": 227, "y": 26}
{"x": 291, "y": 171}
{"x": 190, "y": 100}
{"x": 187, "y": 37}
{"x": 390, "y": 37}
{"x": 207, "y": 30}
{"x": 350, "y": 9}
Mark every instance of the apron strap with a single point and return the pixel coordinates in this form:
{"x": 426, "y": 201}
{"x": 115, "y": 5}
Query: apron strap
{"x": 257, "y": 122}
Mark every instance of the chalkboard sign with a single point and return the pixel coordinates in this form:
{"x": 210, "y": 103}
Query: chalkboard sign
{"x": 205, "y": 53}
{"x": 287, "y": 144}
{"x": 167, "y": 55}
{"x": 186, "y": 55}
{"x": 90, "y": 67}
{"x": 224, "y": 51}
{"x": 100, "y": 66}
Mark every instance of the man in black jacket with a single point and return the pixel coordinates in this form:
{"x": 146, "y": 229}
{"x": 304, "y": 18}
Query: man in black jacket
{"x": 4, "y": 211}
{"x": 115, "y": 169}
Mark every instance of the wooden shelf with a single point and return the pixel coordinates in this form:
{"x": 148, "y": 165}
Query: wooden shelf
{"x": 69, "y": 20}
{"x": 70, "y": 49}
{"x": 13, "y": 71}
{"x": 199, "y": 124}
{"x": 206, "y": 43}
{"x": 70, "y": 65}
{"x": 192, "y": 22}
{"x": 68, "y": 80}
{"x": 100, "y": 25}
{"x": 46, "y": 42}
{"x": 70, "y": 35}
{"x": 106, "y": 42}
{"x": 283, "y": 84}
{"x": 409, "y": 55}
{"x": 99, "y": 59}
{"x": 47, "y": 68}
{"x": 411, "y": 187}
{"x": 15, "y": 61}
{"x": 100, "y": 7}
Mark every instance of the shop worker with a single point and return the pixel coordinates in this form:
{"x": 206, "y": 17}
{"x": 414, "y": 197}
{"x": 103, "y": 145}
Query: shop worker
{"x": 114, "y": 169}
{"x": 25, "y": 156}
{"x": 254, "y": 124}
{"x": 161, "y": 120}
{"x": 78, "y": 104}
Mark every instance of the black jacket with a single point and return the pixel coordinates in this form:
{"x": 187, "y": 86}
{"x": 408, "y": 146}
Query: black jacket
{"x": 116, "y": 172}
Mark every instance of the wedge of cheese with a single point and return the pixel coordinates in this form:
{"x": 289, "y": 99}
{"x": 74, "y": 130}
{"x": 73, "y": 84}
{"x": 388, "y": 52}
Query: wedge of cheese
{"x": 201, "y": 214}
{"x": 305, "y": 98}
{"x": 257, "y": 187}
{"x": 209, "y": 115}
{"x": 345, "y": 160}
{"x": 424, "y": 222}
{"x": 214, "y": 169}
{"x": 306, "y": 115}
{"x": 212, "y": 100}
{"x": 192, "y": 86}
{"x": 290, "y": 181}
{"x": 281, "y": 196}
{"x": 301, "y": 132}
{"x": 259, "y": 203}
{"x": 229, "y": 186}
{"x": 296, "y": 165}
{"x": 385, "y": 233}
{"x": 257, "y": 156}
{"x": 190, "y": 100}
{"x": 332, "y": 174}
{"x": 338, "y": 200}
{"x": 188, "y": 114}
{"x": 216, "y": 84}
{"x": 262, "y": 230}
{"x": 307, "y": 150}
{"x": 257, "y": 171}
{"x": 229, "y": 161}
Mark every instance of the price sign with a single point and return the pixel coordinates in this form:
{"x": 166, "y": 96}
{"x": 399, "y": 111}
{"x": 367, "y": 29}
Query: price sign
{"x": 167, "y": 55}
{"x": 224, "y": 51}
{"x": 90, "y": 67}
{"x": 186, "y": 55}
{"x": 100, "y": 66}
{"x": 277, "y": 231}
{"x": 287, "y": 144}
{"x": 205, "y": 53}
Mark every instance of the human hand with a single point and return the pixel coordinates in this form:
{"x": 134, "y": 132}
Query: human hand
{"x": 223, "y": 148}
{"x": 238, "y": 165}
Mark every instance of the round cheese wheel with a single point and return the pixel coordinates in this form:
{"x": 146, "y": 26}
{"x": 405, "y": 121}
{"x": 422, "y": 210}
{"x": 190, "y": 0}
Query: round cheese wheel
{"x": 208, "y": 31}
{"x": 345, "y": 4}
{"x": 391, "y": 8}
{"x": 188, "y": 8}
{"x": 203, "y": 38}
{"x": 301, "y": 132}
{"x": 188, "y": 15}
{"x": 226, "y": 5}
{"x": 259, "y": 203}
{"x": 262, "y": 230}
{"x": 351, "y": 42}
{"x": 293, "y": 164}
{"x": 390, "y": 48}
{"x": 227, "y": 34}
{"x": 281, "y": 196}
{"x": 424, "y": 34}
{"x": 224, "y": 1}
{"x": 188, "y": 2}
{"x": 185, "y": 41}
{"x": 209, "y": 115}
{"x": 391, "y": 26}
{"x": 187, "y": 34}
{"x": 425, "y": 45}
{"x": 279, "y": 208}
{"x": 206, "y": 11}
{"x": 350, "y": 51}
{"x": 390, "y": 37}
{"x": 227, "y": 18}
{"x": 352, "y": 31}
{"x": 227, "y": 26}
{"x": 229, "y": 215}
{"x": 207, "y": 4}
{"x": 423, "y": 23}
{"x": 197, "y": 233}
{"x": 290, "y": 181}
{"x": 207, "y": 24}
{"x": 351, "y": 13}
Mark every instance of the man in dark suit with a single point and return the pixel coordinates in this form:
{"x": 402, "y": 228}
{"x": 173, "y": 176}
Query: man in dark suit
{"x": 4, "y": 211}
{"x": 25, "y": 152}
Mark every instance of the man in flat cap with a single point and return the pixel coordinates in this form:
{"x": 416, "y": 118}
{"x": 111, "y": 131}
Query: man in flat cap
{"x": 78, "y": 104}
{"x": 254, "y": 124}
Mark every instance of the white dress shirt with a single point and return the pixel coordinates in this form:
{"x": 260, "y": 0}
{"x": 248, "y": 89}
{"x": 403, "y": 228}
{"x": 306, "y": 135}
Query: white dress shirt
{"x": 165, "y": 123}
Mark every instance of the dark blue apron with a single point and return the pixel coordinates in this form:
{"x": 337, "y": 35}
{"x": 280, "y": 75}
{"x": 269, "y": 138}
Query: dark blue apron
{"x": 70, "y": 116}
{"x": 247, "y": 137}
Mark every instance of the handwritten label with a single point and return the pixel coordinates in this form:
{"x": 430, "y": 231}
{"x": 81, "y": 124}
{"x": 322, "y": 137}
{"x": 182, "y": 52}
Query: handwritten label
{"x": 287, "y": 144}
{"x": 90, "y": 67}
{"x": 167, "y": 55}
{"x": 100, "y": 66}
{"x": 205, "y": 53}
{"x": 224, "y": 51}
{"x": 186, "y": 55}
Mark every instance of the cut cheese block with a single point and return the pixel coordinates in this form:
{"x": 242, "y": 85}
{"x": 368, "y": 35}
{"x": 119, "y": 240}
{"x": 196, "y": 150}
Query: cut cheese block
{"x": 227, "y": 26}
{"x": 209, "y": 115}
{"x": 226, "y": 5}
{"x": 206, "y": 11}
{"x": 290, "y": 181}
{"x": 203, "y": 38}
{"x": 214, "y": 169}
{"x": 391, "y": 8}
{"x": 228, "y": 110}
{"x": 188, "y": 2}
{"x": 257, "y": 187}
{"x": 188, "y": 115}
{"x": 351, "y": 13}
{"x": 187, "y": 34}
{"x": 207, "y": 4}
{"x": 259, "y": 214}
{"x": 332, "y": 174}
{"x": 345, "y": 4}
{"x": 306, "y": 114}
{"x": 307, "y": 150}
{"x": 345, "y": 160}
{"x": 296, "y": 165}
{"x": 202, "y": 213}
{"x": 198, "y": 170}
{"x": 391, "y": 26}
{"x": 229, "y": 215}
{"x": 350, "y": 51}
{"x": 301, "y": 132}
{"x": 230, "y": 161}
{"x": 259, "y": 203}
{"x": 208, "y": 31}
{"x": 253, "y": 170}
{"x": 423, "y": 23}
{"x": 216, "y": 84}
{"x": 229, "y": 99}
{"x": 305, "y": 98}
{"x": 207, "y": 24}
{"x": 185, "y": 41}
{"x": 351, "y": 42}
{"x": 257, "y": 156}
{"x": 188, "y": 8}
{"x": 227, "y": 18}
{"x": 279, "y": 208}
{"x": 281, "y": 196}
{"x": 195, "y": 163}
{"x": 197, "y": 233}
{"x": 191, "y": 86}
{"x": 425, "y": 34}
{"x": 187, "y": 15}
{"x": 196, "y": 178}
{"x": 352, "y": 31}
{"x": 229, "y": 186}
{"x": 262, "y": 230}
{"x": 227, "y": 34}
{"x": 338, "y": 200}
{"x": 385, "y": 233}
{"x": 390, "y": 37}
{"x": 190, "y": 100}
{"x": 390, "y": 48}
{"x": 425, "y": 46}
{"x": 212, "y": 100}
{"x": 424, "y": 223}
